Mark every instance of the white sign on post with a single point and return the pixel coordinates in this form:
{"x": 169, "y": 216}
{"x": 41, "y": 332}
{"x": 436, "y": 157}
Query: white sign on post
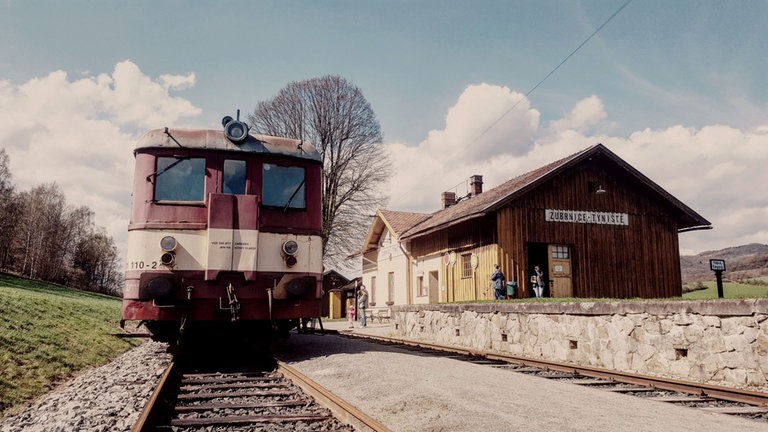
{"x": 717, "y": 265}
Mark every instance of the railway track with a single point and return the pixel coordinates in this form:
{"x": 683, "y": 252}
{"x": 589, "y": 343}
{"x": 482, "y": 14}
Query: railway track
{"x": 276, "y": 398}
{"x": 743, "y": 403}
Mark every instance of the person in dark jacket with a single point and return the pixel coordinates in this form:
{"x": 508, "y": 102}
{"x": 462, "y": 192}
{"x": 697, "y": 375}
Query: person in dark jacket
{"x": 498, "y": 280}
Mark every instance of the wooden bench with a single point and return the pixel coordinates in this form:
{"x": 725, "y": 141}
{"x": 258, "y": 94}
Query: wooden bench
{"x": 384, "y": 315}
{"x": 379, "y": 314}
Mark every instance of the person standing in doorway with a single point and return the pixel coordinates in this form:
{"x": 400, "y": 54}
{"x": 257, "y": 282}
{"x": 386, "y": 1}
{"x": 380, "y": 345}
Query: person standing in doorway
{"x": 498, "y": 279}
{"x": 538, "y": 282}
{"x": 362, "y": 300}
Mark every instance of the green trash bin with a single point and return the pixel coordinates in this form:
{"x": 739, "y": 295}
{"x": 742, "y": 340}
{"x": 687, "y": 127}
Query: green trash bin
{"x": 512, "y": 289}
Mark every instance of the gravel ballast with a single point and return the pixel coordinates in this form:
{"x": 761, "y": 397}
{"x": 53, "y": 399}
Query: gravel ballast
{"x": 107, "y": 398}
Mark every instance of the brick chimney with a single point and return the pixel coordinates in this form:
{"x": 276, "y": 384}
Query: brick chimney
{"x": 448, "y": 198}
{"x": 475, "y": 185}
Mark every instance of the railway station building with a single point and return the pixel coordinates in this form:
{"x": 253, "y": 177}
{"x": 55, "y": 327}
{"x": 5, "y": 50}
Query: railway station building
{"x": 596, "y": 226}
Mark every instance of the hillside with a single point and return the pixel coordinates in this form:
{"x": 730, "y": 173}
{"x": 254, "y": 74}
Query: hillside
{"x": 741, "y": 262}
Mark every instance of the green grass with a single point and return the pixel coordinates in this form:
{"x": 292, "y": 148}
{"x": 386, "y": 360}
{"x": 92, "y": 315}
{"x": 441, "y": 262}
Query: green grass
{"x": 48, "y": 333}
{"x": 731, "y": 290}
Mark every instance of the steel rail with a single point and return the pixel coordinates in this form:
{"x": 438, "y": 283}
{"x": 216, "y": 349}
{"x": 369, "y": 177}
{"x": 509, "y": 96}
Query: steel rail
{"x": 338, "y": 406}
{"x": 145, "y": 423}
{"x": 341, "y": 409}
{"x": 700, "y": 389}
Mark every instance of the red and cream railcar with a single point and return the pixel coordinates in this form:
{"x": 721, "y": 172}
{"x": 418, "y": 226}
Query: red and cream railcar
{"x": 225, "y": 226}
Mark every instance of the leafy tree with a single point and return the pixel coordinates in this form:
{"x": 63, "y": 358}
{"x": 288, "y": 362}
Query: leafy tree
{"x": 333, "y": 114}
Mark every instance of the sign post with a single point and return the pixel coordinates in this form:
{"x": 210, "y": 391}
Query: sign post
{"x": 718, "y": 266}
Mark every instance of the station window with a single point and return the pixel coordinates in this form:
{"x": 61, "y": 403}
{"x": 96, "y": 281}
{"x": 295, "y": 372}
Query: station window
{"x": 233, "y": 181}
{"x": 466, "y": 265}
{"x": 180, "y": 179}
{"x": 560, "y": 252}
{"x": 372, "y": 291}
{"x": 284, "y": 187}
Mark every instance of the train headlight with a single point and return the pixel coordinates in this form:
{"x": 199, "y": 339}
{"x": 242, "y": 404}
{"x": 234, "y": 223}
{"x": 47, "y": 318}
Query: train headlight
{"x": 290, "y": 247}
{"x": 168, "y": 259}
{"x": 235, "y": 130}
{"x": 168, "y": 244}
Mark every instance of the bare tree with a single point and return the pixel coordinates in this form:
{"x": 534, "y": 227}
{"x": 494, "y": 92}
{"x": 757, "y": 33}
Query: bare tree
{"x": 75, "y": 224}
{"x": 41, "y": 213}
{"x": 42, "y": 237}
{"x": 95, "y": 261}
{"x": 333, "y": 114}
{"x": 9, "y": 214}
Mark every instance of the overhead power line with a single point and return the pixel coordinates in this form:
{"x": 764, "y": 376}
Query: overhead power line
{"x": 495, "y": 122}
{"x": 551, "y": 72}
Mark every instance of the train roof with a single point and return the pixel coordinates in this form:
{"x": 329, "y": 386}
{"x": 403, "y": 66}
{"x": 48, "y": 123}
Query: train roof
{"x": 215, "y": 140}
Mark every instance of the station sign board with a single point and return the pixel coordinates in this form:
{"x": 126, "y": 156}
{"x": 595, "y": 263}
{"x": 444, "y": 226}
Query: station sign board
{"x": 717, "y": 265}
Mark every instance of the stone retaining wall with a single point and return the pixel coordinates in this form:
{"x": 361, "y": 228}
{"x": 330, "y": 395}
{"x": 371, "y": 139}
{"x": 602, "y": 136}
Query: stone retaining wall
{"x": 723, "y": 342}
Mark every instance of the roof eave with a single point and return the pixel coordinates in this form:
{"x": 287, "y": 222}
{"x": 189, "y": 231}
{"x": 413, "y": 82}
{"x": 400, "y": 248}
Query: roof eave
{"x": 433, "y": 229}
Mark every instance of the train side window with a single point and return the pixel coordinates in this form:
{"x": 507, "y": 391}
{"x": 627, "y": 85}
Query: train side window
{"x": 233, "y": 181}
{"x": 284, "y": 187}
{"x": 180, "y": 179}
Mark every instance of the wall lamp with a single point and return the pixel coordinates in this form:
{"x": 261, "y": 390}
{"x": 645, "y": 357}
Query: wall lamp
{"x": 596, "y": 188}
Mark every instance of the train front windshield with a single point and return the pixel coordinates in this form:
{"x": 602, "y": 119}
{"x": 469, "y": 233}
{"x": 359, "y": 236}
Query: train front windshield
{"x": 180, "y": 179}
{"x": 284, "y": 186}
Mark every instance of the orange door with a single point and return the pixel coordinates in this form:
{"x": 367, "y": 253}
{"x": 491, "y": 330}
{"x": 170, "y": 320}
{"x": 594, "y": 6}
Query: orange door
{"x": 560, "y": 271}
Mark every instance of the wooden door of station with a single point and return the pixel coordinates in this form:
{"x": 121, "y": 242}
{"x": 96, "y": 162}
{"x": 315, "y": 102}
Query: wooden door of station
{"x": 560, "y": 271}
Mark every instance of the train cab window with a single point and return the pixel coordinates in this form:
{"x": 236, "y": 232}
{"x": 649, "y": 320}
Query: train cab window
{"x": 180, "y": 179}
{"x": 284, "y": 187}
{"x": 233, "y": 181}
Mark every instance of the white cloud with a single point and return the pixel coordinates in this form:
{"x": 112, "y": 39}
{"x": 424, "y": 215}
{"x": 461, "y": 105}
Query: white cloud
{"x": 80, "y": 133}
{"x": 466, "y": 146}
{"x": 476, "y": 128}
{"x": 587, "y": 112}
{"x": 718, "y": 170}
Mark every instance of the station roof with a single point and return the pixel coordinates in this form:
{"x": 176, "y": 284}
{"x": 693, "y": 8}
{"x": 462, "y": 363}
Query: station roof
{"x": 396, "y": 221}
{"x": 493, "y": 199}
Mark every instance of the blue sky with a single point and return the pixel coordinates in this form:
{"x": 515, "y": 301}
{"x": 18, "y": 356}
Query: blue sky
{"x": 676, "y": 88}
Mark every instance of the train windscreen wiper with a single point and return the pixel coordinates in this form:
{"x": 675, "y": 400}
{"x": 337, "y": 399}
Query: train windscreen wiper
{"x": 158, "y": 173}
{"x": 293, "y": 195}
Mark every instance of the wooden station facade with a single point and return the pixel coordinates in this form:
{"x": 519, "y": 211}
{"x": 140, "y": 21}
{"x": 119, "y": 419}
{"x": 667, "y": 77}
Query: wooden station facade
{"x": 596, "y": 226}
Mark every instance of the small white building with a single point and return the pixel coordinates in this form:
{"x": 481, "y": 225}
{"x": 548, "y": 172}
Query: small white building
{"x": 387, "y": 264}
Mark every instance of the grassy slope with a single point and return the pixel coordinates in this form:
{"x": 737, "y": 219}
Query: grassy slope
{"x": 49, "y": 333}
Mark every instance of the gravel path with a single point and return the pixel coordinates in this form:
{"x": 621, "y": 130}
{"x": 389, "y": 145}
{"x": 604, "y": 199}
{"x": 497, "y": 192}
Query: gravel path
{"x": 108, "y": 398}
{"x": 408, "y": 391}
